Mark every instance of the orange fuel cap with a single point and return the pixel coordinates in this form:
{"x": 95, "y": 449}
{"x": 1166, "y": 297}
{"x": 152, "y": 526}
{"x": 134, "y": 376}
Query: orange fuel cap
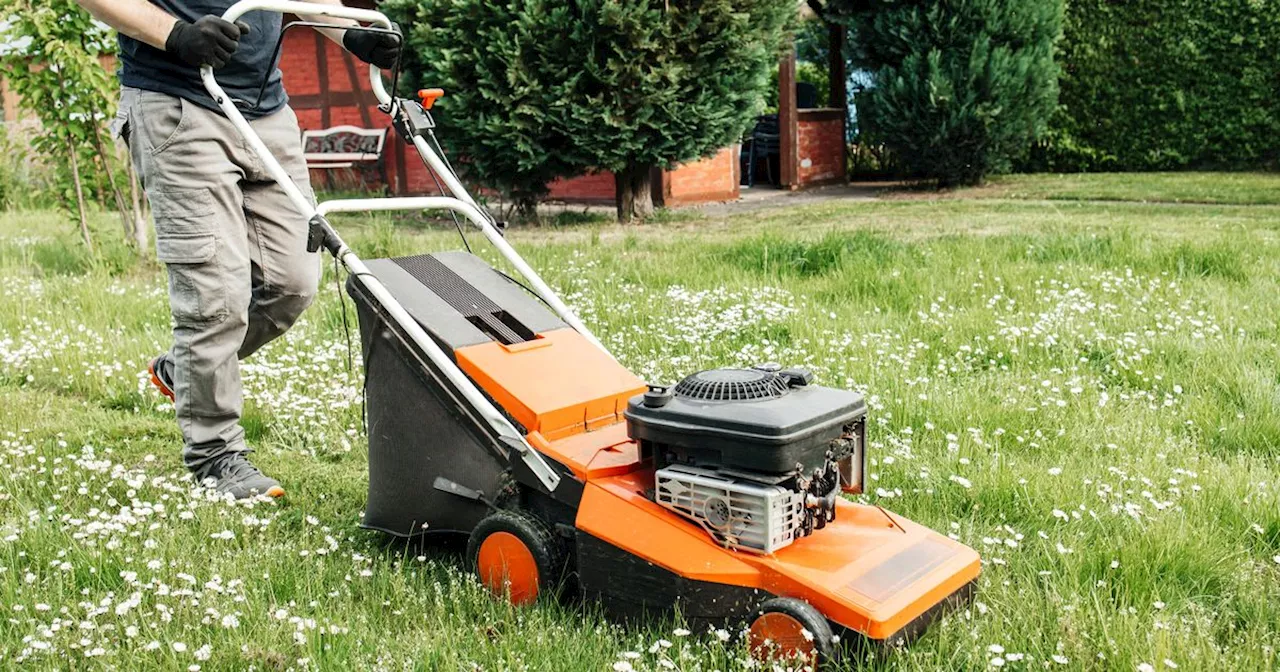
{"x": 429, "y": 96}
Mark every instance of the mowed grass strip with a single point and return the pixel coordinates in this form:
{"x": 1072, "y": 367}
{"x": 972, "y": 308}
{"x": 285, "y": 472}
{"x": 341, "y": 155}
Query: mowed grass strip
{"x": 1084, "y": 392}
{"x": 1243, "y": 188}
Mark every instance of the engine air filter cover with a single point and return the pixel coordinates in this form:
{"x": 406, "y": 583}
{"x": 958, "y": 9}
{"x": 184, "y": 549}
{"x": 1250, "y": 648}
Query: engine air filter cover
{"x": 732, "y": 385}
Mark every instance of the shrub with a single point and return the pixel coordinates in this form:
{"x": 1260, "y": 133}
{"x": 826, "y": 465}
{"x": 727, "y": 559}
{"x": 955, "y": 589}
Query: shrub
{"x": 26, "y": 182}
{"x": 961, "y": 87}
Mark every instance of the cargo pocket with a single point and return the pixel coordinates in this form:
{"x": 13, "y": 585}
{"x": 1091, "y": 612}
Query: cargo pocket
{"x": 187, "y": 243}
{"x": 162, "y": 119}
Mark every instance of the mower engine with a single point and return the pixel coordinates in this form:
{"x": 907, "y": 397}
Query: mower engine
{"x": 757, "y": 457}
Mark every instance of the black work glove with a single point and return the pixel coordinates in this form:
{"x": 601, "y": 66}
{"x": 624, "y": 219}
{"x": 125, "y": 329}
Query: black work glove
{"x": 208, "y": 41}
{"x": 380, "y": 49}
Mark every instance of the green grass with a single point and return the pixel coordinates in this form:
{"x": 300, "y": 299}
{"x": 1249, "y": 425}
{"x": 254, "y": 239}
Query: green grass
{"x": 1085, "y": 392}
{"x": 1182, "y": 187}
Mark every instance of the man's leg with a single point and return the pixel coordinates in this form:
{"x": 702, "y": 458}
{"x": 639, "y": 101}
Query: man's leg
{"x": 184, "y": 158}
{"x": 285, "y": 275}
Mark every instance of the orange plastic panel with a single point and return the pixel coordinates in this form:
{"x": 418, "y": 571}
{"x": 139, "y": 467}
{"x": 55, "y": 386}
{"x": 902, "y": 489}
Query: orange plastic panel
{"x": 562, "y": 386}
{"x": 595, "y": 454}
{"x": 615, "y": 509}
{"x": 868, "y": 570}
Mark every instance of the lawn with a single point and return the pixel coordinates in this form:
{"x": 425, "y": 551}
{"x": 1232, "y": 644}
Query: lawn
{"x": 1086, "y": 392}
{"x": 1183, "y": 187}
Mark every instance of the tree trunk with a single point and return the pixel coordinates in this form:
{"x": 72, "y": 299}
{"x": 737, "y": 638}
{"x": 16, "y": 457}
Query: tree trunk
{"x": 80, "y": 208}
{"x": 140, "y": 226}
{"x": 633, "y": 191}
{"x": 126, "y": 220}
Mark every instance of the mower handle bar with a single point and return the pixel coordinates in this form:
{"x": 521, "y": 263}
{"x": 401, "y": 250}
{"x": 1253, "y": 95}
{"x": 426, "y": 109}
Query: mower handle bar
{"x": 313, "y": 9}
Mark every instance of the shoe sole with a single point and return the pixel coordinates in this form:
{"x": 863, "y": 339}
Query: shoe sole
{"x": 164, "y": 389}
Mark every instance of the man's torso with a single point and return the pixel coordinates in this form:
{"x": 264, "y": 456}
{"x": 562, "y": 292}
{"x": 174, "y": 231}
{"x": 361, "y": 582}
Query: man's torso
{"x": 145, "y": 67}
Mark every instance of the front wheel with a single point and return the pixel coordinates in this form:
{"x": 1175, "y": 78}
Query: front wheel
{"x": 785, "y": 628}
{"x": 516, "y": 556}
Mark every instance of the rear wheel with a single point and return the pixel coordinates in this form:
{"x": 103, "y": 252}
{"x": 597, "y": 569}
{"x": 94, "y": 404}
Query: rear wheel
{"x": 789, "y": 629}
{"x": 516, "y": 556}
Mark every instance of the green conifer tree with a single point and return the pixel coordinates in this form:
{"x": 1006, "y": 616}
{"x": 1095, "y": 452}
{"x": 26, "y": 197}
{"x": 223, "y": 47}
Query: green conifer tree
{"x": 962, "y": 87}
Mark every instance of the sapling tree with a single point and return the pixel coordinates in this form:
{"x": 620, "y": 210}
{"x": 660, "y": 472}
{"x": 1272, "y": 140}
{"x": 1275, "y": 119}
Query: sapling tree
{"x": 53, "y": 63}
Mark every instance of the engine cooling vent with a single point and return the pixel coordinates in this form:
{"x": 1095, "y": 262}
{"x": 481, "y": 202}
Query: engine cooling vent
{"x": 737, "y": 514}
{"x": 732, "y": 385}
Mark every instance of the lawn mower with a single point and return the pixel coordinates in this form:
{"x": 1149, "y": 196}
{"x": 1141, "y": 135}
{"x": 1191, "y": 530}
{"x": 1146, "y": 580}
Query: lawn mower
{"x": 494, "y": 412}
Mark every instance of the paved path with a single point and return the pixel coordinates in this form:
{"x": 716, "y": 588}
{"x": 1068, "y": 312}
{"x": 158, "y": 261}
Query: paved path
{"x": 754, "y": 199}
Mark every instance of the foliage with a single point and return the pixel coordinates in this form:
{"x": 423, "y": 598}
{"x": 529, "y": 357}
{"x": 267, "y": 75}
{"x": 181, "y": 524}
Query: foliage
{"x": 498, "y": 112}
{"x": 53, "y": 64}
{"x": 540, "y": 90}
{"x": 1167, "y": 84}
{"x": 11, "y": 162}
{"x": 26, "y": 182}
{"x": 961, "y": 87}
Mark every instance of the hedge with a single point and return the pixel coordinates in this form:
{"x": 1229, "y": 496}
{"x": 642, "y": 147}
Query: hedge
{"x": 1166, "y": 84}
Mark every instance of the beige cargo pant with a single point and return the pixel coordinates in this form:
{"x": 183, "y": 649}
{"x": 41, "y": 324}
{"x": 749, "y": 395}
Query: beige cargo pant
{"x": 234, "y": 245}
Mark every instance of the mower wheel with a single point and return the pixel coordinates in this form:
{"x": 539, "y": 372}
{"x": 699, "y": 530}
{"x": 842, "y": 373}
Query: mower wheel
{"x": 516, "y": 556}
{"x": 789, "y": 629}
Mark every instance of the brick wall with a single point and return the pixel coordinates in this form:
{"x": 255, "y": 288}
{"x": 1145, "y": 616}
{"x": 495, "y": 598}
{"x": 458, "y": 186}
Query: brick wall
{"x": 711, "y": 179}
{"x": 821, "y": 147}
{"x": 328, "y": 87}
{"x": 705, "y": 181}
{"x": 590, "y": 188}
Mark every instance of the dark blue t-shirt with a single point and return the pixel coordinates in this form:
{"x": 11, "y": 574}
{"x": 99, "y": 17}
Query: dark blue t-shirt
{"x": 145, "y": 67}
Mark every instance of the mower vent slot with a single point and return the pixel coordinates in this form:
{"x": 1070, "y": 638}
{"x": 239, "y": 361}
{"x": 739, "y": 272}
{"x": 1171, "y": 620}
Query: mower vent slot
{"x": 477, "y": 308}
{"x": 501, "y": 327}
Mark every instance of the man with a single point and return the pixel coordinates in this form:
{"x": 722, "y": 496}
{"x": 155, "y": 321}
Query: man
{"x": 234, "y": 245}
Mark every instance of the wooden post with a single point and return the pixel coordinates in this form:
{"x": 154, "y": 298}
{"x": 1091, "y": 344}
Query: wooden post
{"x": 126, "y": 219}
{"x": 140, "y": 225}
{"x": 788, "y": 123}
{"x": 838, "y": 95}
{"x": 322, "y": 79}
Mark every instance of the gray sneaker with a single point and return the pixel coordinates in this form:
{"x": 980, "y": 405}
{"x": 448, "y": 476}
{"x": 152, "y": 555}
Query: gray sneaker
{"x": 234, "y": 473}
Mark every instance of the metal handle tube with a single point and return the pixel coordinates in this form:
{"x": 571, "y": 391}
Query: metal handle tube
{"x": 440, "y": 168}
{"x": 476, "y": 216}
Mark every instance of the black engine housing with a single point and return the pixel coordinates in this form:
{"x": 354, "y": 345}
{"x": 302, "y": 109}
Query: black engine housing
{"x": 767, "y": 423}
